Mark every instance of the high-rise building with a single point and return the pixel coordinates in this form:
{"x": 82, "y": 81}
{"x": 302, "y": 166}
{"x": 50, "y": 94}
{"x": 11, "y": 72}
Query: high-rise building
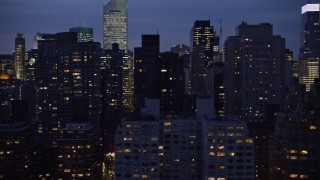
{"x": 171, "y": 82}
{"x": 309, "y": 55}
{"x": 294, "y": 145}
{"x": 116, "y": 91}
{"x": 68, "y": 87}
{"x": 115, "y": 15}
{"x": 19, "y": 57}
{"x": 84, "y": 34}
{"x": 202, "y": 35}
{"x": 146, "y": 70}
{"x": 6, "y": 65}
{"x": 215, "y": 86}
{"x": 255, "y": 63}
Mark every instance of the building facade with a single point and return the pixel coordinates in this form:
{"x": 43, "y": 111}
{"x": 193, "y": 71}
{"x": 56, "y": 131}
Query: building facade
{"x": 19, "y": 59}
{"x": 255, "y": 71}
{"x": 115, "y": 15}
{"x": 309, "y": 55}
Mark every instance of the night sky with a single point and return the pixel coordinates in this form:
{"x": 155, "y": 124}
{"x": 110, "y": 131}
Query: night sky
{"x": 172, "y": 18}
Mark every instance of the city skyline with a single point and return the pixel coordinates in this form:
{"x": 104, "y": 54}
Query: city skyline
{"x": 145, "y": 17}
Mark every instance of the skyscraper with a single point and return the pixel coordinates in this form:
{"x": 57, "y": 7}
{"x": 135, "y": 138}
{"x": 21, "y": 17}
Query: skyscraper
{"x": 68, "y": 86}
{"x": 203, "y": 35}
{"x": 84, "y": 34}
{"x": 146, "y": 63}
{"x": 115, "y": 15}
{"x": 255, "y": 63}
{"x": 19, "y": 57}
{"x": 309, "y": 55}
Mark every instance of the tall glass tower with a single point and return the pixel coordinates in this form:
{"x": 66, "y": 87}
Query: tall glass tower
{"x": 309, "y": 55}
{"x": 19, "y": 57}
{"x": 115, "y": 15}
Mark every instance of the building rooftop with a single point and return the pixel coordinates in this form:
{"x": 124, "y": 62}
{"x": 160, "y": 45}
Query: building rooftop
{"x": 310, "y": 8}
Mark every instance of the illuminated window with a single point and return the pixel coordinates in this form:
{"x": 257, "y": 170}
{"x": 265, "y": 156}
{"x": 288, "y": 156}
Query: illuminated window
{"x": 127, "y": 150}
{"x": 239, "y": 141}
{"x": 66, "y": 170}
{"x": 211, "y": 178}
{"x": 154, "y": 139}
{"x": 211, "y": 154}
{"x": 312, "y": 127}
{"x": 231, "y": 154}
{"x": 293, "y": 151}
{"x": 250, "y": 141}
{"x": 303, "y": 176}
{"x": 167, "y": 124}
{"x": 303, "y": 152}
{"x": 293, "y": 157}
{"x": 293, "y": 175}
{"x": 221, "y": 154}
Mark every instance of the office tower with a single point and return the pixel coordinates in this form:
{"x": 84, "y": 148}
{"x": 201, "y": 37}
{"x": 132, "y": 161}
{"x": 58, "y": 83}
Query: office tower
{"x": 42, "y": 36}
{"x": 309, "y": 55}
{"x": 19, "y": 57}
{"x": 128, "y": 82}
{"x": 215, "y": 86}
{"x": 197, "y": 72}
{"x": 31, "y": 64}
{"x": 294, "y": 145}
{"x": 202, "y": 35}
{"x": 115, "y": 93}
{"x": 75, "y": 154}
{"x": 6, "y": 65}
{"x": 184, "y": 52}
{"x": 228, "y": 152}
{"x": 115, "y": 15}
{"x": 255, "y": 64}
{"x": 146, "y": 70}
{"x": 171, "y": 82}
{"x": 180, "y": 49}
{"x": 68, "y": 86}
{"x": 84, "y": 34}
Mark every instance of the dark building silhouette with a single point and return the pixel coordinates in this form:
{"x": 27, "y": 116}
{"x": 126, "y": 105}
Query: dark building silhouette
{"x": 171, "y": 82}
{"x": 294, "y": 145}
{"x": 215, "y": 86}
{"x": 114, "y": 99}
{"x": 202, "y": 34}
{"x": 68, "y": 86}
{"x": 146, "y": 69}
{"x": 255, "y": 63}
{"x": 197, "y": 72}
